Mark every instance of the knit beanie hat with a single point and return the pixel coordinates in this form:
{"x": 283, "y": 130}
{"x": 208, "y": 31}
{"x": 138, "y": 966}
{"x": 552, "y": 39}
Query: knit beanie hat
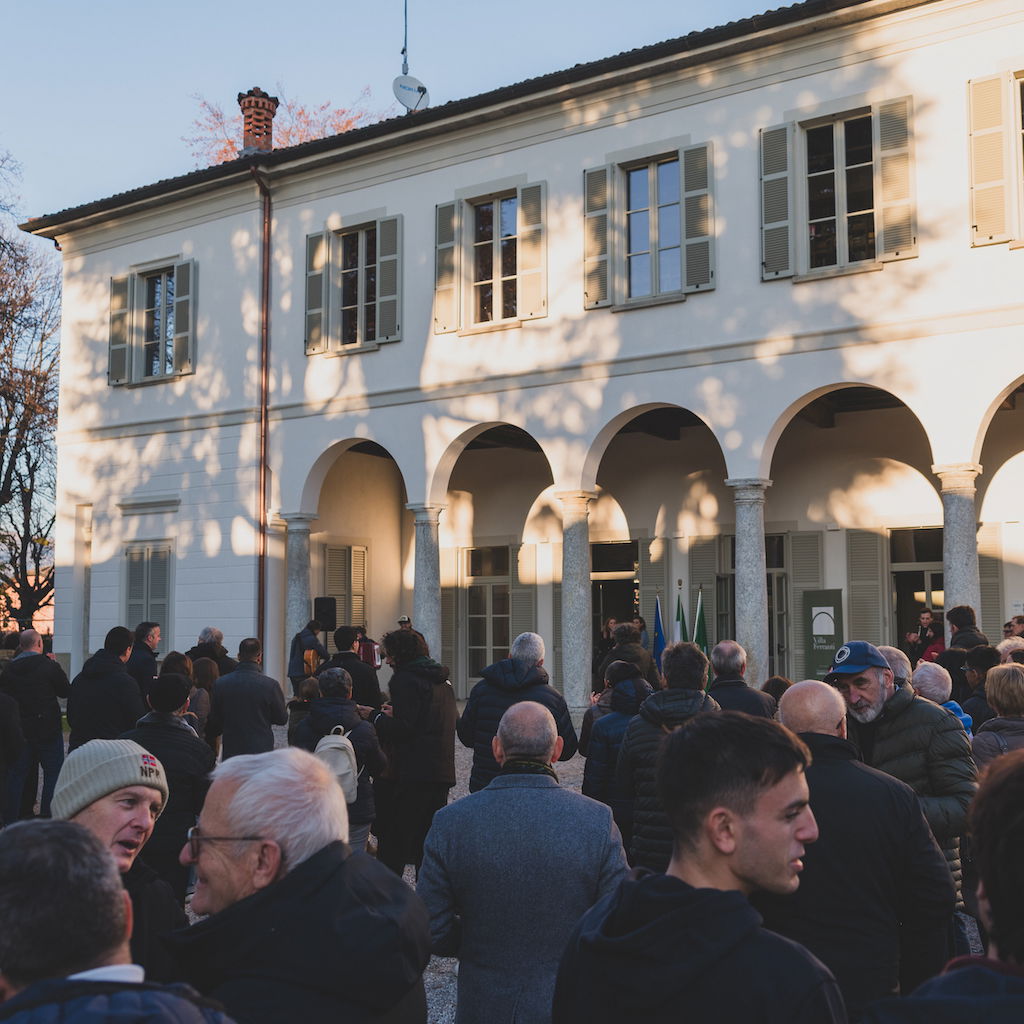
{"x": 99, "y": 767}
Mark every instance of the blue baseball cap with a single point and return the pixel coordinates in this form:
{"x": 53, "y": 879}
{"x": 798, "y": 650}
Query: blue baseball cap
{"x": 853, "y": 658}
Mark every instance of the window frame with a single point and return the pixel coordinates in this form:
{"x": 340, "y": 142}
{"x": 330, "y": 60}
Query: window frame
{"x": 128, "y": 313}
{"x": 152, "y": 609}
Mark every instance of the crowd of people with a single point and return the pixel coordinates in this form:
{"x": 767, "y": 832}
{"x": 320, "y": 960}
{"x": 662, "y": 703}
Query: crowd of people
{"x": 809, "y": 852}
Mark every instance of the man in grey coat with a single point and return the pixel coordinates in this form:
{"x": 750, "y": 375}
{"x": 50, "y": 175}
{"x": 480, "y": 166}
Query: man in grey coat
{"x": 508, "y": 871}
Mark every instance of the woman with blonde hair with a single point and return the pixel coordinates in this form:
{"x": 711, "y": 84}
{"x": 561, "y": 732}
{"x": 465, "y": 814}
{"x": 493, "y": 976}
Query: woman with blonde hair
{"x": 1004, "y": 688}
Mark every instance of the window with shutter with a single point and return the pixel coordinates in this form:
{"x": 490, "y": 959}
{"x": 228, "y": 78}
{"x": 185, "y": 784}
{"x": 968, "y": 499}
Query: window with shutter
{"x": 865, "y": 573}
{"x": 153, "y": 324}
{"x": 805, "y": 573}
{"x": 994, "y": 107}
{"x": 990, "y": 576}
{"x": 345, "y": 580}
{"x": 704, "y": 580}
{"x": 147, "y": 586}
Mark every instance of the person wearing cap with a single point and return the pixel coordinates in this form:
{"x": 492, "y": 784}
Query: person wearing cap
{"x": 404, "y": 622}
{"x": 187, "y": 761}
{"x": 117, "y": 789}
{"x": 913, "y": 740}
{"x": 628, "y": 690}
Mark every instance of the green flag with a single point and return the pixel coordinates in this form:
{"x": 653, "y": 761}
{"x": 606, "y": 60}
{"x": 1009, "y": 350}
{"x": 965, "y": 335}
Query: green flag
{"x": 679, "y": 631}
{"x": 700, "y": 629}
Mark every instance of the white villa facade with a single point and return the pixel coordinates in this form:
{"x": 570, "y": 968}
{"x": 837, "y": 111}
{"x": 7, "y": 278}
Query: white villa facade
{"x": 745, "y": 306}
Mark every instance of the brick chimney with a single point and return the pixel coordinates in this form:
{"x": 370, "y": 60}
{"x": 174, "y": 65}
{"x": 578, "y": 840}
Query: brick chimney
{"x": 258, "y": 111}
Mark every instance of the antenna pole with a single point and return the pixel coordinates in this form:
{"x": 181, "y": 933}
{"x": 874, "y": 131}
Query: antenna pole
{"x": 405, "y": 41}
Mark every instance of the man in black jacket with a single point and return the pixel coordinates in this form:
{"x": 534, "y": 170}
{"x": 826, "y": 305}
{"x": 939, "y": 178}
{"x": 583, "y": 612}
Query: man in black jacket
{"x": 365, "y": 685}
{"x": 211, "y": 645}
{"x": 876, "y": 897}
{"x": 635, "y": 800}
{"x": 687, "y": 945}
{"x": 730, "y": 689}
{"x": 628, "y": 648}
{"x": 188, "y": 761}
{"x": 104, "y": 700}
{"x": 117, "y": 789}
{"x": 520, "y": 676}
{"x": 245, "y": 704}
{"x": 349, "y": 939}
{"x": 35, "y": 681}
{"x": 964, "y": 628}
{"x": 142, "y": 663}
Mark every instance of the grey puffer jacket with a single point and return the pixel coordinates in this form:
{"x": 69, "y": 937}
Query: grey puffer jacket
{"x": 987, "y": 745}
{"x": 635, "y": 792}
{"x": 925, "y": 746}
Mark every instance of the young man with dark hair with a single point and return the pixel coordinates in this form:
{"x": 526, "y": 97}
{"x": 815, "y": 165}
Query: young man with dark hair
{"x": 983, "y": 989}
{"x": 365, "y": 684}
{"x": 964, "y": 628}
{"x": 245, "y": 704}
{"x": 687, "y": 944}
{"x": 141, "y": 665}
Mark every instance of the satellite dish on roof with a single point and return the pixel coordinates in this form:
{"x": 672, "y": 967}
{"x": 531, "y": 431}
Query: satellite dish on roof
{"x": 411, "y": 92}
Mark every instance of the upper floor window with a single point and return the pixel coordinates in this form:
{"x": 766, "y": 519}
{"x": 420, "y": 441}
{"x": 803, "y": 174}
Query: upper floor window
{"x": 152, "y": 323}
{"x": 490, "y": 263}
{"x": 353, "y": 280}
{"x": 837, "y": 192}
{"x": 996, "y": 107}
{"x": 649, "y": 229}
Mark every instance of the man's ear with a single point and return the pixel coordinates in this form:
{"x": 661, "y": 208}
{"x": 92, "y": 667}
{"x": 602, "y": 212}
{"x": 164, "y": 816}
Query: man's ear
{"x": 720, "y": 828}
{"x": 268, "y": 864}
{"x": 497, "y": 750}
{"x": 7, "y": 989}
{"x": 557, "y": 752}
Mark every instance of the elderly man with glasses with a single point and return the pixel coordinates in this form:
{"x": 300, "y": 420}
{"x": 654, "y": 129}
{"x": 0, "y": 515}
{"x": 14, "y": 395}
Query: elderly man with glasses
{"x": 301, "y": 927}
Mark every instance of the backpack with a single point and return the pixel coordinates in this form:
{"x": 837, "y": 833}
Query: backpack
{"x": 336, "y": 751}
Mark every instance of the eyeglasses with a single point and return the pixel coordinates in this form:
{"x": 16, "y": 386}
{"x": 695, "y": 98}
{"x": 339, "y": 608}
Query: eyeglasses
{"x": 195, "y": 838}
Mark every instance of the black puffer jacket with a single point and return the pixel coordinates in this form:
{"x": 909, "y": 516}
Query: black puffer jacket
{"x": 58, "y": 1000}
{"x": 925, "y": 746}
{"x": 104, "y": 700}
{"x": 635, "y": 793}
{"x": 324, "y": 714}
{"x": 419, "y": 735}
{"x": 505, "y": 683}
{"x": 635, "y": 655}
{"x": 35, "y": 682}
{"x": 155, "y": 914}
{"x": 626, "y": 699}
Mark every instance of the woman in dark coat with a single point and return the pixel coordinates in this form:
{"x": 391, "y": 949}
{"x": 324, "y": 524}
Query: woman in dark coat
{"x": 417, "y": 731}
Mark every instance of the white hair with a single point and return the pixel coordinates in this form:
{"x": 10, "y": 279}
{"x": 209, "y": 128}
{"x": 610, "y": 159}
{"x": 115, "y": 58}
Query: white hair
{"x": 211, "y": 635}
{"x": 933, "y": 682}
{"x": 898, "y": 662}
{"x": 289, "y": 796}
{"x": 728, "y": 657}
{"x": 1004, "y": 647}
{"x": 527, "y": 648}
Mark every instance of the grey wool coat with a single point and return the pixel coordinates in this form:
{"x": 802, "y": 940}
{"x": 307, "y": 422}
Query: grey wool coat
{"x": 507, "y": 872}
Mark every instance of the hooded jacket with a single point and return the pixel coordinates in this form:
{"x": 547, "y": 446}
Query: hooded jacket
{"x": 658, "y": 950}
{"x": 339, "y": 938}
{"x": 626, "y": 698}
{"x": 36, "y": 682}
{"x": 505, "y": 683}
{"x": 419, "y": 735}
{"x": 104, "y": 700}
{"x": 215, "y": 652}
{"x": 926, "y": 747}
{"x": 636, "y": 655}
{"x": 57, "y": 1000}
{"x": 635, "y": 795}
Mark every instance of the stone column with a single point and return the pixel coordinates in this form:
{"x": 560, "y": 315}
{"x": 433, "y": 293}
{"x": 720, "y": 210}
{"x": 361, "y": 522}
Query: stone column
{"x": 960, "y": 578}
{"x": 426, "y": 592}
{"x": 751, "y": 576}
{"x": 576, "y": 626}
{"x": 298, "y": 607}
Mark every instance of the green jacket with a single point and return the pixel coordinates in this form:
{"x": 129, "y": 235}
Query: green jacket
{"x": 925, "y": 746}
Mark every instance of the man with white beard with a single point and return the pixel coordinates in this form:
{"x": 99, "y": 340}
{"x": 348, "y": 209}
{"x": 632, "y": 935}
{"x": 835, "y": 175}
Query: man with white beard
{"x": 910, "y": 738}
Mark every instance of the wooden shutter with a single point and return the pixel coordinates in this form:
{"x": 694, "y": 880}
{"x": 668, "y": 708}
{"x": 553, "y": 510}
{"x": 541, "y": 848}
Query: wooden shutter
{"x": 135, "y": 586}
{"x": 531, "y": 296}
{"x": 990, "y": 575}
{"x": 704, "y": 572}
{"x": 697, "y": 164}
{"x": 652, "y": 572}
{"x": 159, "y": 590}
{"x": 185, "y": 316}
{"x": 894, "y": 179}
{"x": 776, "y": 202}
{"x": 389, "y": 278}
{"x": 555, "y": 671}
{"x": 446, "y": 269}
{"x": 118, "y": 366}
{"x": 338, "y": 581}
{"x": 865, "y": 569}
{"x": 523, "y": 589}
{"x": 450, "y": 619}
{"x": 357, "y": 585}
{"x": 598, "y": 186}
{"x": 989, "y": 107}
{"x": 804, "y": 571}
{"x": 317, "y": 326}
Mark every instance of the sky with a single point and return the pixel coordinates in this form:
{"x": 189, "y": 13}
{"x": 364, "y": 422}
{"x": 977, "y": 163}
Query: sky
{"x": 99, "y": 95}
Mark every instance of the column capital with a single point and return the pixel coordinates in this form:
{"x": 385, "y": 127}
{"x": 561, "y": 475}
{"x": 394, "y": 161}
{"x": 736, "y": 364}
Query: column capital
{"x": 576, "y": 501}
{"x": 748, "y": 488}
{"x": 957, "y": 476}
{"x": 426, "y": 513}
{"x": 298, "y": 520}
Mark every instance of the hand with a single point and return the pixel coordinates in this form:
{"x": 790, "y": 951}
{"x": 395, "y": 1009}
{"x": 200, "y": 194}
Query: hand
{"x": 364, "y": 711}
{"x": 594, "y": 697}
{"x": 913, "y": 637}
{"x": 388, "y": 710}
